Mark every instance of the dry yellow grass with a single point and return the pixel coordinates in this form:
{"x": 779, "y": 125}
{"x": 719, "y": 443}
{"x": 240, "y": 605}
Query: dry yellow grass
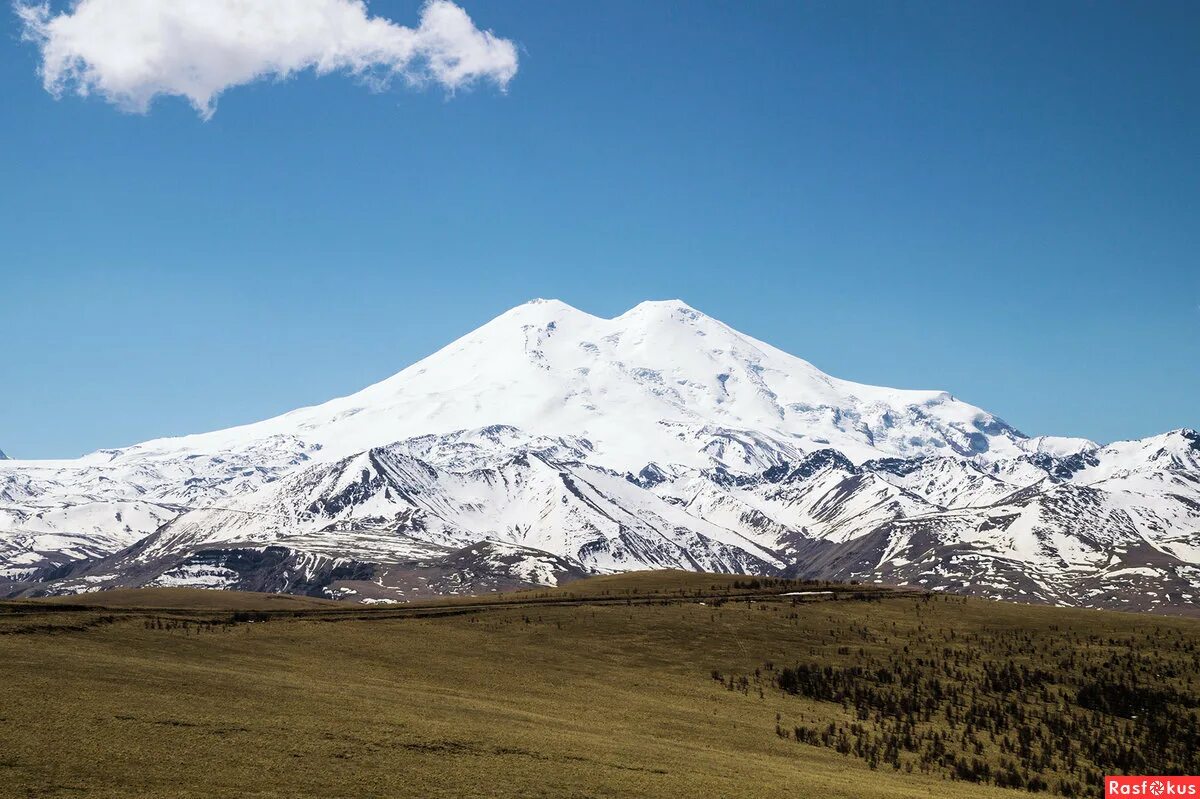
{"x": 505, "y": 701}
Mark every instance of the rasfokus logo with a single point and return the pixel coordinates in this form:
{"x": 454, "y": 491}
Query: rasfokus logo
{"x": 1152, "y": 787}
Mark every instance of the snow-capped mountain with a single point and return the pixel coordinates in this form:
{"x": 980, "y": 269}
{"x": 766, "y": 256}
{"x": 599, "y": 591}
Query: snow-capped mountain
{"x": 549, "y": 443}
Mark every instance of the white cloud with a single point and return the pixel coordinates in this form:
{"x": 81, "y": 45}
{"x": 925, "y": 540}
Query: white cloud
{"x": 131, "y": 51}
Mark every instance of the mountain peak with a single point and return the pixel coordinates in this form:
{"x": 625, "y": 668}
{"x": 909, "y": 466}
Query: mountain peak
{"x": 662, "y": 305}
{"x": 662, "y": 308}
{"x": 539, "y": 312}
{"x": 546, "y": 301}
{"x": 543, "y": 306}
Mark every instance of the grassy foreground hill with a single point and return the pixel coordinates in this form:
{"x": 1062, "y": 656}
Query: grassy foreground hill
{"x": 651, "y": 684}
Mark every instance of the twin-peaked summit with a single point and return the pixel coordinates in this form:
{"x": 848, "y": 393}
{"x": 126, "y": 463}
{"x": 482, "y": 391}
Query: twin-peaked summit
{"x": 662, "y": 382}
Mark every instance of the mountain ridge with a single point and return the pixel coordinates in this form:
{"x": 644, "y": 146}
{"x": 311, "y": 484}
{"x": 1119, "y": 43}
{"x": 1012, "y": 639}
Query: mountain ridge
{"x": 658, "y": 438}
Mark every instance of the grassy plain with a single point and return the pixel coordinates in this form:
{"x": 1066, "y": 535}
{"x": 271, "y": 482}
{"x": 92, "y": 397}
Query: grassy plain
{"x": 603, "y": 688}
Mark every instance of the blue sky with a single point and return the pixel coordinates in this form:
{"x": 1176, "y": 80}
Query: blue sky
{"x": 1001, "y": 200}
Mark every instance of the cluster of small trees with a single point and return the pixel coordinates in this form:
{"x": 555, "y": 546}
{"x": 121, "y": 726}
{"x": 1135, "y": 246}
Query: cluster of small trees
{"x": 759, "y": 583}
{"x": 1041, "y": 710}
{"x": 189, "y": 626}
